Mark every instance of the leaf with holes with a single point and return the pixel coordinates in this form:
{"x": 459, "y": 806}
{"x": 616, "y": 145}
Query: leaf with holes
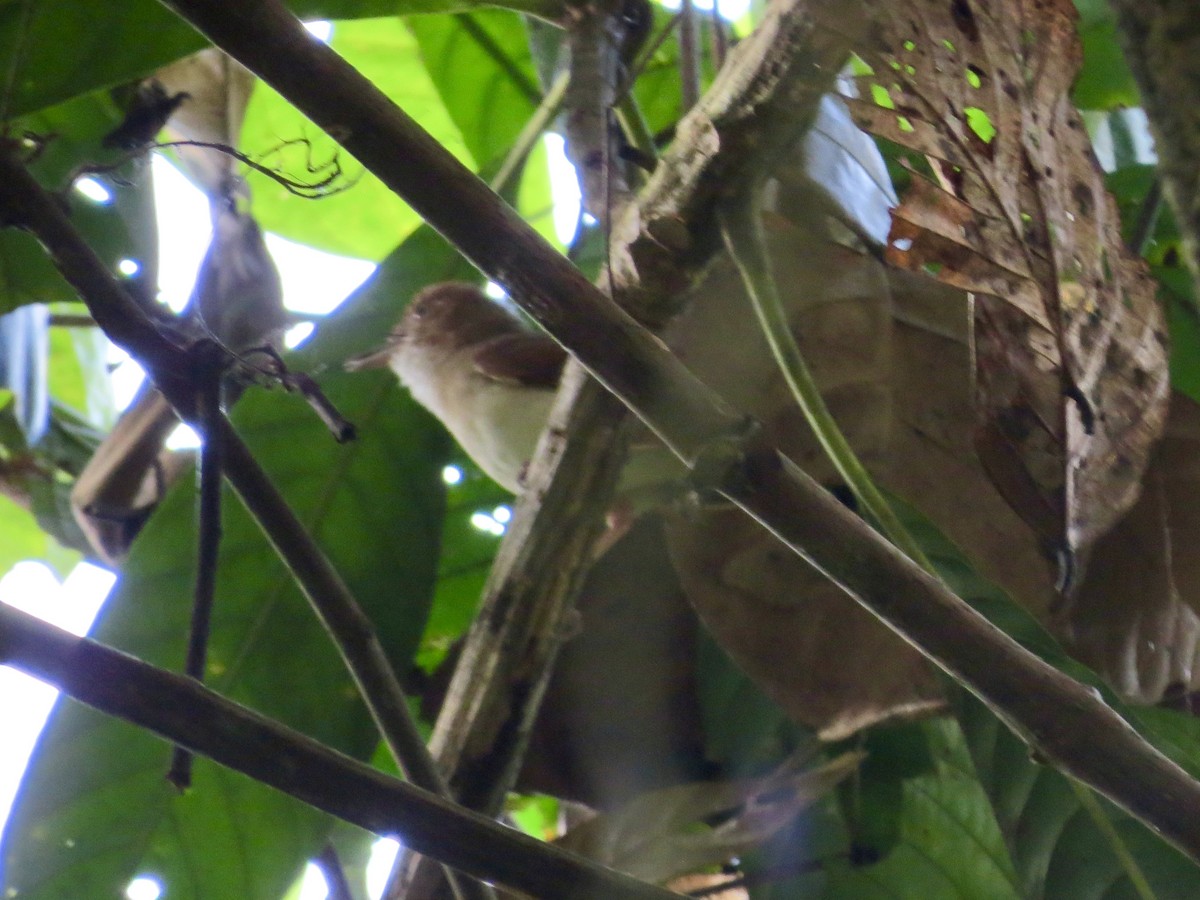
{"x": 1070, "y": 343}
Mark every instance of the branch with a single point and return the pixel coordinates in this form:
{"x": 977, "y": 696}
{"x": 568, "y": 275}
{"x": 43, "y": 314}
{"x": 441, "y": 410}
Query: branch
{"x": 190, "y": 715}
{"x": 782, "y": 68}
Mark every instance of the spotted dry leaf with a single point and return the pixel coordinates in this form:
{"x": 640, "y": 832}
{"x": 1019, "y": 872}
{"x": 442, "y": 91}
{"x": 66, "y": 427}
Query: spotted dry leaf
{"x": 1070, "y": 347}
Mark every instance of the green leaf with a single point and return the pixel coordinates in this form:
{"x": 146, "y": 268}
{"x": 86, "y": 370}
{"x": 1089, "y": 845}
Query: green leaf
{"x": 21, "y": 537}
{"x": 947, "y": 845}
{"x": 112, "y": 44}
{"x": 95, "y": 805}
{"x": 466, "y": 561}
{"x": 481, "y": 65}
{"x": 1056, "y": 846}
{"x": 1040, "y": 815}
{"x": 1185, "y": 338}
{"x": 366, "y": 219}
{"x": 78, "y": 370}
{"x": 1104, "y": 81}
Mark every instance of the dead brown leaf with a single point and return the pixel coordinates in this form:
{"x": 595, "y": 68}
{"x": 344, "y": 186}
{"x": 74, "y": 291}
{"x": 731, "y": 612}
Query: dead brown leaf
{"x": 1070, "y": 359}
{"x": 1134, "y": 617}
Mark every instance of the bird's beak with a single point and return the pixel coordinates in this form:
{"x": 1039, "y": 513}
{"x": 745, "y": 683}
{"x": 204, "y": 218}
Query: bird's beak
{"x": 372, "y": 359}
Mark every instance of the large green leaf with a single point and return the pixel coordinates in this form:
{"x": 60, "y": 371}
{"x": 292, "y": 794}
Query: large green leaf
{"x": 1042, "y": 819}
{"x": 1104, "y": 81}
{"x": 366, "y": 219}
{"x": 947, "y": 842}
{"x": 73, "y": 47}
{"x": 95, "y": 807}
{"x": 482, "y": 68}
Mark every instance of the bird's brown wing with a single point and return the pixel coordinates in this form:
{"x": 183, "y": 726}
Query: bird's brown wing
{"x": 528, "y": 359}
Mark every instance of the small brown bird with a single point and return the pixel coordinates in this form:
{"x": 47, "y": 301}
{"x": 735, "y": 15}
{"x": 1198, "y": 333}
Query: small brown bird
{"x": 491, "y": 380}
{"x": 474, "y": 365}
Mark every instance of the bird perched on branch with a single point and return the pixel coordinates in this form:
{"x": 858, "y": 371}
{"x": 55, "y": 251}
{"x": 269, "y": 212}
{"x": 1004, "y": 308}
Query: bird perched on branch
{"x": 474, "y": 365}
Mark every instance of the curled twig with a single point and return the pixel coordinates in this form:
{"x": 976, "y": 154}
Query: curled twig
{"x": 326, "y": 185}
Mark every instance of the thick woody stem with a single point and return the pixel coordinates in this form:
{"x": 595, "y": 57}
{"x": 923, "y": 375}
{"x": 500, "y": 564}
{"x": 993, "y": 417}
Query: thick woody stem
{"x": 492, "y": 703}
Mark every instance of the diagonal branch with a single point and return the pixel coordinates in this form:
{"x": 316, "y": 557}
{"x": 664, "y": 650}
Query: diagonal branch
{"x": 190, "y": 715}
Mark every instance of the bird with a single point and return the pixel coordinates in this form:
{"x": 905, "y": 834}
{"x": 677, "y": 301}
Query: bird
{"x": 489, "y": 378}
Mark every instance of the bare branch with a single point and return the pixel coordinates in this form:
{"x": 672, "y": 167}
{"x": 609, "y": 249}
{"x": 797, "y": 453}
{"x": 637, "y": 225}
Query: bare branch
{"x": 181, "y": 711}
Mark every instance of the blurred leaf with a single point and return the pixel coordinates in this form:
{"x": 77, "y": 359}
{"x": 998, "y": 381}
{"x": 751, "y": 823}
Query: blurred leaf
{"x": 95, "y": 805}
{"x": 20, "y": 535}
{"x": 743, "y": 728}
{"x": 366, "y": 219}
{"x": 872, "y": 803}
{"x": 1185, "y": 340}
{"x": 535, "y": 199}
{"x": 536, "y": 814}
{"x": 79, "y": 370}
{"x": 1104, "y": 81}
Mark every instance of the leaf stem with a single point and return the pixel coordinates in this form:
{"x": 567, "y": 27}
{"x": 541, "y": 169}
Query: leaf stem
{"x": 741, "y": 228}
{"x": 532, "y": 132}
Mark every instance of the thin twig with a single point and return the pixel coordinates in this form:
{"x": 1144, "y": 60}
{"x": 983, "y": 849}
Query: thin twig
{"x": 208, "y": 545}
{"x": 334, "y": 873}
{"x": 531, "y": 133}
{"x": 325, "y": 186}
{"x": 184, "y": 712}
{"x": 71, "y": 320}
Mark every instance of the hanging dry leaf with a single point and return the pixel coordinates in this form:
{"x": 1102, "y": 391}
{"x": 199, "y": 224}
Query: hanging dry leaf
{"x": 1134, "y": 617}
{"x": 827, "y": 662}
{"x": 1070, "y": 359}
{"x": 218, "y": 90}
